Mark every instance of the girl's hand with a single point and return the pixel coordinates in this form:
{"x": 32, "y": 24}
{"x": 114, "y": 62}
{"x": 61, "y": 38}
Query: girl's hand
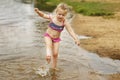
{"x": 36, "y": 9}
{"x": 40, "y": 13}
{"x": 77, "y": 42}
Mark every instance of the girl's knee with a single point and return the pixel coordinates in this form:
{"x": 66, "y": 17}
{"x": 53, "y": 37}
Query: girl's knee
{"x": 55, "y": 55}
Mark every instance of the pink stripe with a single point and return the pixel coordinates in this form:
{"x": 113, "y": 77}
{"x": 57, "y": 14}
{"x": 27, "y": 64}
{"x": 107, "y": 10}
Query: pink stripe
{"x": 55, "y": 29}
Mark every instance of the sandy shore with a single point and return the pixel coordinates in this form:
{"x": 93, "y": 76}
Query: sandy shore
{"x": 104, "y": 35}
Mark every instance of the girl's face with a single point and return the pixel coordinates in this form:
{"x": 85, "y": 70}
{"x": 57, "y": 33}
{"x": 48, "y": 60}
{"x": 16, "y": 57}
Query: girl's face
{"x": 60, "y": 14}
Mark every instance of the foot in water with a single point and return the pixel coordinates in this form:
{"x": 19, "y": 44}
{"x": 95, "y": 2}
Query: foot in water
{"x": 43, "y": 71}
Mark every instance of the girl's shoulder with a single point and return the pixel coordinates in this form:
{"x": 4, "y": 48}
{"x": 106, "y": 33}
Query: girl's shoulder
{"x": 66, "y": 21}
{"x": 51, "y": 16}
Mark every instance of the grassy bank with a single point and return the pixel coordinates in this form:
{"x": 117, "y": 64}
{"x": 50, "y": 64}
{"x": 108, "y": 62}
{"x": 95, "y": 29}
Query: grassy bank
{"x": 83, "y": 7}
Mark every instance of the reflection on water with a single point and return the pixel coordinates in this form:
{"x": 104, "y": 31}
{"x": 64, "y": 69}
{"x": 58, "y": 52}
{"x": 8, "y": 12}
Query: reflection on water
{"x": 22, "y": 48}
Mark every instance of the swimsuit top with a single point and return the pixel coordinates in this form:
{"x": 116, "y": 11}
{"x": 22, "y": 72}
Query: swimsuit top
{"x": 56, "y": 27}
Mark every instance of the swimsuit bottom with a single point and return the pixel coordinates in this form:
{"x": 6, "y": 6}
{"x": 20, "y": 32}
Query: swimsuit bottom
{"x": 53, "y": 39}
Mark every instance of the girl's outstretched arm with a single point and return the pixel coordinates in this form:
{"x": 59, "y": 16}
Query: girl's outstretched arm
{"x": 41, "y": 14}
{"x": 72, "y": 33}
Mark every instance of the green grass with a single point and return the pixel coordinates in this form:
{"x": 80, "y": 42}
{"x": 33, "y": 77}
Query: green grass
{"x": 85, "y": 8}
{"x": 91, "y": 8}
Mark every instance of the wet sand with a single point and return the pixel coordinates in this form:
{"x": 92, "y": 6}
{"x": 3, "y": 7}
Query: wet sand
{"x": 104, "y": 36}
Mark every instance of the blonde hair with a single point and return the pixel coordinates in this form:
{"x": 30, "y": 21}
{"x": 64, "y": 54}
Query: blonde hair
{"x": 64, "y": 7}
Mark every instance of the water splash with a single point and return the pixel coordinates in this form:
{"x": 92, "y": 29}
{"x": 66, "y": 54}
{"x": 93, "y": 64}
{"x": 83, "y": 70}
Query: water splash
{"x": 44, "y": 70}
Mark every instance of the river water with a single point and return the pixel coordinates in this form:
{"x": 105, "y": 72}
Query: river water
{"x": 22, "y": 48}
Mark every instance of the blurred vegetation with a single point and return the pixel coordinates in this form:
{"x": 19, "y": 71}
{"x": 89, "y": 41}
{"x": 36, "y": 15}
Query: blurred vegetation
{"x": 82, "y": 6}
{"x": 43, "y": 5}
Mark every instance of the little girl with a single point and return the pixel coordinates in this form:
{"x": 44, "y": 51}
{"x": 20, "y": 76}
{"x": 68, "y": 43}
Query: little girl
{"x": 55, "y": 27}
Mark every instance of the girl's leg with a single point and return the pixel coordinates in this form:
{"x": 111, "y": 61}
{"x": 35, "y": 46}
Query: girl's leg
{"x": 49, "y": 48}
{"x": 55, "y": 54}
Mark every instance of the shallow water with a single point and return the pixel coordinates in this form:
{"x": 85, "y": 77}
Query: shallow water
{"x": 22, "y": 48}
